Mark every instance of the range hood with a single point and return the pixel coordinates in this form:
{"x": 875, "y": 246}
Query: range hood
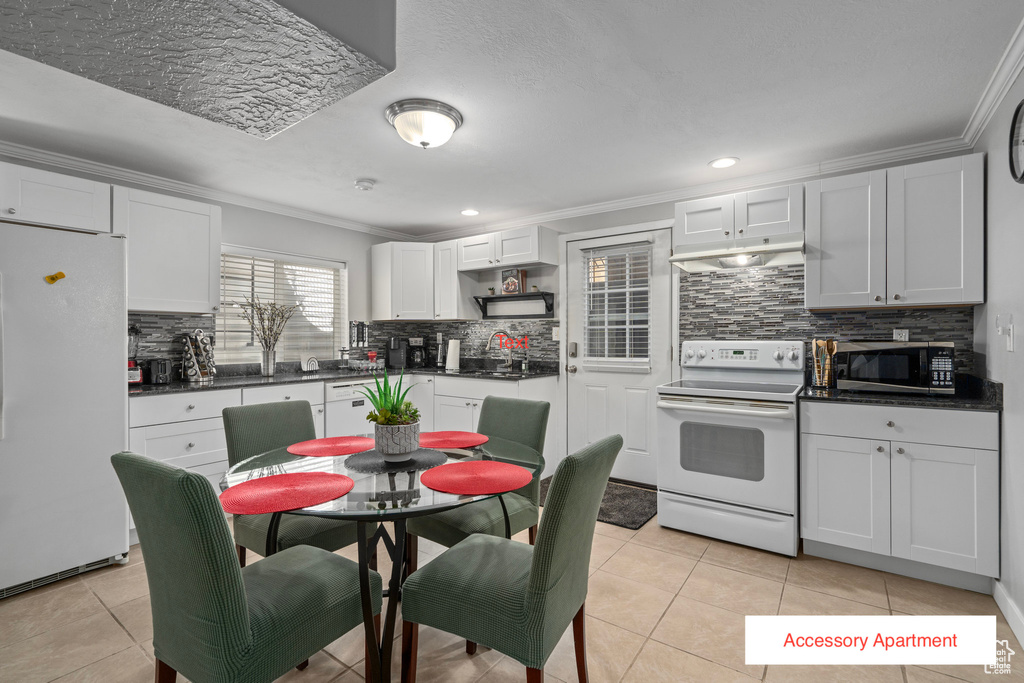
{"x": 750, "y": 252}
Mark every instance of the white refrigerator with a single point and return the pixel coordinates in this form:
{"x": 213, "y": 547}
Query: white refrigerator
{"x": 63, "y": 403}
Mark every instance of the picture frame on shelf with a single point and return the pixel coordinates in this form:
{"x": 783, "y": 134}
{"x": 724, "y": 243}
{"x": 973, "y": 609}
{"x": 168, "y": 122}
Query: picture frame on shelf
{"x": 513, "y": 281}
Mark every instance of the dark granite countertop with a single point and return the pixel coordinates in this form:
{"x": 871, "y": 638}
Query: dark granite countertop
{"x": 972, "y": 393}
{"x": 240, "y": 381}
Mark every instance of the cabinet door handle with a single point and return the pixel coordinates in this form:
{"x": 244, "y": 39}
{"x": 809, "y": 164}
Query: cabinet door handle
{"x": 896, "y": 297}
{"x": 191, "y": 406}
{"x": 12, "y": 211}
{"x": 468, "y": 403}
{"x": 398, "y": 315}
{"x": 475, "y": 405}
{"x": 429, "y": 381}
{"x": 191, "y": 444}
{"x": 216, "y": 308}
{"x": 878, "y": 298}
{"x": 740, "y": 231}
{"x": 727, "y": 232}
{"x": 437, "y": 315}
{"x": 890, "y": 423}
{"x": 287, "y": 398}
{"x": 497, "y": 260}
{"x": 321, "y": 410}
{"x": 900, "y": 451}
{"x": 490, "y": 260}
{"x": 880, "y": 449}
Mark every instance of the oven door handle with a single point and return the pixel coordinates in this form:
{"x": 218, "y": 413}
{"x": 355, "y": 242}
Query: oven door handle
{"x": 786, "y": 413}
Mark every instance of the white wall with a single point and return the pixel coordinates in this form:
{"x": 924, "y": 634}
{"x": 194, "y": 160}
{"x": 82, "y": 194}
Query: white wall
{"x": 1005, "y": 296}
{"x": 263, "y": 230}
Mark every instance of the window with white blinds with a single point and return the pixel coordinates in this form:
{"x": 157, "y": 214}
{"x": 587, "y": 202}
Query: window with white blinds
{"x": 617, "y": 301}
{"x": 319, "y": 326}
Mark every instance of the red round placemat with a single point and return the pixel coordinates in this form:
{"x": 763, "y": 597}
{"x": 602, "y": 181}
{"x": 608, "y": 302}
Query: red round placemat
{"x": 476, "y": 477}
{"x": 337, "y": 445}
{"x": 283, "y": 492}
{"x": 451, "y": 439}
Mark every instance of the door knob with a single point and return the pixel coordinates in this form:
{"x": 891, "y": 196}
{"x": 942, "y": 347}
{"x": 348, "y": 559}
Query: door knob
{"x": 571, "y": 369}
{"x": 880, "y": 449}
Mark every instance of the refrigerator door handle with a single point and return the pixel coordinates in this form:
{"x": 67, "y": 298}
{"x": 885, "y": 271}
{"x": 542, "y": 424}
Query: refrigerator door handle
{"x": 1, "y": 355}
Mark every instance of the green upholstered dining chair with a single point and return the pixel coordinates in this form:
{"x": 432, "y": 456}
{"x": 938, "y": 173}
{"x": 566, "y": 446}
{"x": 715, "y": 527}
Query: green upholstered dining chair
{"x": 515, "y": 429}
{"x": 212, "y": 620}
{"x": 255, "y": 429}
{"x": 512, "y": 597}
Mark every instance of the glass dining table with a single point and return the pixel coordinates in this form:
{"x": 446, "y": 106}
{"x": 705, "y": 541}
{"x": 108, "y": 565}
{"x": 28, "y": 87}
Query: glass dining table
{"x": 383, "y": 492}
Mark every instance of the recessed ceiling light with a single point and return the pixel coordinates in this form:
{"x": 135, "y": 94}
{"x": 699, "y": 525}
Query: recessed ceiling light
{"x": 365, "y": 184}
{"x": 724, "y": 162}
{"x": 470, "y": 212}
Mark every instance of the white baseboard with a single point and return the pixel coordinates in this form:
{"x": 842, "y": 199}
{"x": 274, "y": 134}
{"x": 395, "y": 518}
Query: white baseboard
{"x": 1011, "y": 610}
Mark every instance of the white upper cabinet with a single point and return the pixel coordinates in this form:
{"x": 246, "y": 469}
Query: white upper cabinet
{"x": 846, "y": 242}
{"x": 173, "y": 251}
{"x": 907, "y": 236}
{"x": 533, "y": 244}
{"x": 935, "y": 232}
{"x": 476, "y": 253}
{"x": 705, "y": 220}
{"x": 28, "y": 195}
{"x": 446, "y": 280}
{"x": 775, "y": 211}
{"x": 402, "y": 281}
{"x": 746, "y": 215}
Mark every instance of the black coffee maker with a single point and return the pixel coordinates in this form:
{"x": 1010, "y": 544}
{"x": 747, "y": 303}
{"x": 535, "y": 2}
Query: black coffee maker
{"x": 417, "y": 352}
{"x": 397, "y": 353}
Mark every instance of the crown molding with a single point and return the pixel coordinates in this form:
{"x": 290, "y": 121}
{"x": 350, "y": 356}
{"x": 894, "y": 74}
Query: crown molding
{"x": 117, "y": 174}
{"x": 888, "y": 157}
{"x": 1006, "y": 72}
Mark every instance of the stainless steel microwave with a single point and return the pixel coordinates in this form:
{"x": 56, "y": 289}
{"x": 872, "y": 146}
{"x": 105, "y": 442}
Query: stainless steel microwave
{"x": 896, "y": 367}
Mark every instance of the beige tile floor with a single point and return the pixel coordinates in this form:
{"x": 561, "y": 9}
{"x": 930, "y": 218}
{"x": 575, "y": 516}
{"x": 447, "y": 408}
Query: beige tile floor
{"x": 663, "y": 606}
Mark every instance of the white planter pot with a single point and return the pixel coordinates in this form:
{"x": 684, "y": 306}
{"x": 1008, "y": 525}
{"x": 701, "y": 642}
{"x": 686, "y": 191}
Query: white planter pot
{"x": 395, "y": 442}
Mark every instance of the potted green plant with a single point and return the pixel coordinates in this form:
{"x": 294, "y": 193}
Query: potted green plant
{"x": 396, "y": 422}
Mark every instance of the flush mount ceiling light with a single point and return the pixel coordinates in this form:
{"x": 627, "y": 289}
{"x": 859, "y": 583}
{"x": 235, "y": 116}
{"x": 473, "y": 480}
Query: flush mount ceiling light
{"x": 724, "y": 162}
{"x": 424, "y": 123}
{"x": 470, "y": 212}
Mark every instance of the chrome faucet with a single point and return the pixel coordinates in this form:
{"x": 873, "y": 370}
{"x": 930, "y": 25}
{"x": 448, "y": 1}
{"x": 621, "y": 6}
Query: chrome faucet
{"x": 508, "y": 361}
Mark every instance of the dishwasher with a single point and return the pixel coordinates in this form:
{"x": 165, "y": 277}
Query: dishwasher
{"x": 346, "y": 408}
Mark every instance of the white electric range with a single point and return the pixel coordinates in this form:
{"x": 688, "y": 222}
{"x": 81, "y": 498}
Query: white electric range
{"x": 727, "y": 442}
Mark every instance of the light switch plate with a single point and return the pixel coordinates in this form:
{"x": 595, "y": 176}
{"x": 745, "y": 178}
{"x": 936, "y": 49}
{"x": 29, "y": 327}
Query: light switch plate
{"x": 555, "y": 334}
{"x": 901, "y": 335}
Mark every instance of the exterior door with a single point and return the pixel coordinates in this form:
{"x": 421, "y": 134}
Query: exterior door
{"x": 846, "y": 242}
{"x": 618, "y": 322}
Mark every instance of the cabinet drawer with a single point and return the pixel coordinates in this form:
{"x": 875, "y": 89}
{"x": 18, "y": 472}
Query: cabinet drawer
{"x": 184, "y": 444}
{"x": 193, "y": 405}
{"x": 311, "y": 391}
{"x": 967, "y": 428}
{"x": 475, "y": 388}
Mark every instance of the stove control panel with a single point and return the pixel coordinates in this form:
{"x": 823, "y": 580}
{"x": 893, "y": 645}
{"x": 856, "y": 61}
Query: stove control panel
{"x": 754, "y": 355}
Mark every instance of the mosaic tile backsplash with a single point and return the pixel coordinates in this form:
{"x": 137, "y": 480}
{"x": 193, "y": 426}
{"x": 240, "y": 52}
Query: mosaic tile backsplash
{"x": 768, "y": 303}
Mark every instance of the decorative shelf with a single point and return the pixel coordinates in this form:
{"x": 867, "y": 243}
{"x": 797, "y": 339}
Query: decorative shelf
{"x": 548, "y": 298}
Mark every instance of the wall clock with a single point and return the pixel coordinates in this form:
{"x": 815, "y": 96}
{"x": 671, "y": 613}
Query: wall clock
{"x": 1017, "y": 144}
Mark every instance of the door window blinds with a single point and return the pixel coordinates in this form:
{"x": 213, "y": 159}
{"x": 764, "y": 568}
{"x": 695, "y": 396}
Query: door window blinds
{"x": 617, "y": 303}
{"x": 319, "y": 325}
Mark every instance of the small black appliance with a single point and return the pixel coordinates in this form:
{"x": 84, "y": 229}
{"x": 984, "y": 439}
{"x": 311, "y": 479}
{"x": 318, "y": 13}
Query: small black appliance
{"x": 397, "y": 353}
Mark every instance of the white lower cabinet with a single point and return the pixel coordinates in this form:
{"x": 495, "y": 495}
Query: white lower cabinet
{"x": 455, "y": 413}
{"x": 917, "y": 499}
{"x": 945, "y": 506}
{"x": 313, "y": 392}
{"x": 421, "y": 394}
{"x": 845, "y": 491}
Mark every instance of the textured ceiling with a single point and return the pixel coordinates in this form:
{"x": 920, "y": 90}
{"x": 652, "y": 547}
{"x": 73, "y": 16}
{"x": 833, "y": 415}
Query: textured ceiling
{"x": 248, "y": 64}
{"x": 566, "y": 104}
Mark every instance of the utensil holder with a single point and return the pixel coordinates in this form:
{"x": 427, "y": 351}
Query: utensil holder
{"x": 823, "y": 375}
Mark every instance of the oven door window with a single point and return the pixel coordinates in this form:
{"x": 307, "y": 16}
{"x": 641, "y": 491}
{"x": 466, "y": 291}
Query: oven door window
{"x": 722, "y": 450}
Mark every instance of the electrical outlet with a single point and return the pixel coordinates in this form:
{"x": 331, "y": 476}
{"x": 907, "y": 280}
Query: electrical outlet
{"x": 1009, "y": 337}
{"x": 901, "y": 335}
{"x": 555, "y": 334}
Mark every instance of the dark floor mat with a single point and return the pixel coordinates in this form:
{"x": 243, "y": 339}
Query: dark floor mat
{"x": 626, "y": 506}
